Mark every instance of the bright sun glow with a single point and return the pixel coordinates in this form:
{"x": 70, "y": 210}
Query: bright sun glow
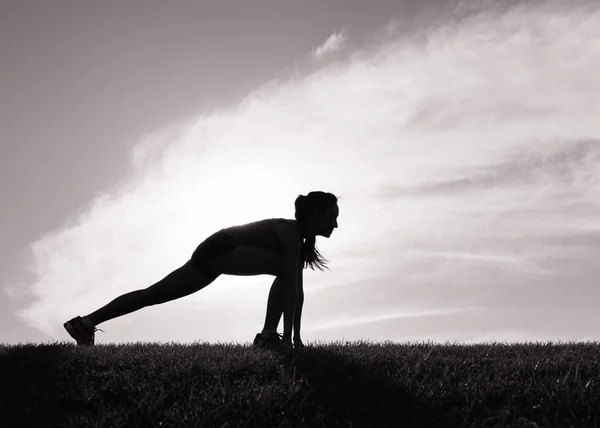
{"x": 439, "y": 147}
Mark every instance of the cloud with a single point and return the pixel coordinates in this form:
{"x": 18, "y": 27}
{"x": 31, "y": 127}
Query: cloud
{"x": 566, "y": 164}
{"x": 477, "y": 114}
{"x": 334, "y": 43}
{"x": 503, "y": 261}
{"x": 355, "y": 319}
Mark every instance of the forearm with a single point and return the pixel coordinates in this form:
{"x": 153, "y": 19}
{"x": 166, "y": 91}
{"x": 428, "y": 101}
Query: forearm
{"x": 288, "y": 311}
{"x": 298, "y": 313}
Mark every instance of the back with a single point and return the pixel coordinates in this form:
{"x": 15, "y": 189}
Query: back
{"x": 259, "y": 233}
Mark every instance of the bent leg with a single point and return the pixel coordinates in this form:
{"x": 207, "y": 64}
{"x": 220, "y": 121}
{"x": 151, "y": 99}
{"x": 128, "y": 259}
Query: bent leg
{"x": 274, "y": 305}
{"x": 181, "y": 282}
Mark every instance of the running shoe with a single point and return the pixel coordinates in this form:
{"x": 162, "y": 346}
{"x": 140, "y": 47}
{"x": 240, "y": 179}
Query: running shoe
{"x": 272, "y": 341}
{"x": 84, "y": 335}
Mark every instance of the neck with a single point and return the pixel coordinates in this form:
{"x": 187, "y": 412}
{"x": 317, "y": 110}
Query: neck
{"x": 304, "y": 233}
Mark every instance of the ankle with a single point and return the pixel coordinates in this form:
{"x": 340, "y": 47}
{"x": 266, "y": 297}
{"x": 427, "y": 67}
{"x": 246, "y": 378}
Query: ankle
{"x": 88, "y": 322}
{"x": 266, "y": 333}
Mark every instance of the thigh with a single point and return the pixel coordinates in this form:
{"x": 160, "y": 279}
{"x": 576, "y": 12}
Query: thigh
{"x": 215, "y": 246}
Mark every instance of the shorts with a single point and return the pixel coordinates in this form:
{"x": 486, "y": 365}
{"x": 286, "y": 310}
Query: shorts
{"x": 216, "y": 245}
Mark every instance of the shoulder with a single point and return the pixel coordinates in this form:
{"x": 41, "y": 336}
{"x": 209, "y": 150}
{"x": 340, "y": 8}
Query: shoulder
{"x": 287, "y": 231}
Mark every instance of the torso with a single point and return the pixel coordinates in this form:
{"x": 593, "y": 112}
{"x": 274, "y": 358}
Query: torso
{"x": 259, "y": 233}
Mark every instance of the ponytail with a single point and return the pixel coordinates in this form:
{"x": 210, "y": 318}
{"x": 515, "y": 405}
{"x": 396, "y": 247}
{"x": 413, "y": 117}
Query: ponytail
{"x": 311, "y": 256}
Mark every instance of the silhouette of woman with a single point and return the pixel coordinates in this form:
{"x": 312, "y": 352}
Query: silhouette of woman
{"x": 276, "y": 246}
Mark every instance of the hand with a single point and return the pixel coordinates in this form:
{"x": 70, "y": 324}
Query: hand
{"x": 298, "y": 342}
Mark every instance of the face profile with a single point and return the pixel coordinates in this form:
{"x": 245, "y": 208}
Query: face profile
{"x": 324, "y": 222}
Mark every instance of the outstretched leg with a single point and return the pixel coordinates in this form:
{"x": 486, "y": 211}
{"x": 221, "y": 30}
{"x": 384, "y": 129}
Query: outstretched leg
{"x": 181, "y": 282}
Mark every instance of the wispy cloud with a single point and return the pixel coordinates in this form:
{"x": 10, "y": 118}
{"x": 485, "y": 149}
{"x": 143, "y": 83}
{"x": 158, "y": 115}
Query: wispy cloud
{"x": 334, "y": 43}
{"x": 477, "y": 145}
{"x": 504, "y": 261}
{"x": 354, "y": 319}
{"x": 568, "y": 163}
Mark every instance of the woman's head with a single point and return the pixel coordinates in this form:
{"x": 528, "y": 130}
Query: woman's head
{"x": 316, "y": 214}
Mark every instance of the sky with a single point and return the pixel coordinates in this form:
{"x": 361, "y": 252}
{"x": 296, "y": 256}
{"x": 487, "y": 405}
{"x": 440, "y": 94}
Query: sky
{"x": 461, "y": 137}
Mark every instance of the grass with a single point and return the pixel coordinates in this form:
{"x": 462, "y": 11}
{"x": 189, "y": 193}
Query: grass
{"x": 351, "y": 384}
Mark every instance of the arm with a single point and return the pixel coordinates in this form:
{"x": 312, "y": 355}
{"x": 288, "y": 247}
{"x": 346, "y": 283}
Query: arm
{"x": 298, "y": 308}
{"x": 290, "y": 239}
{"x": 291, "y": 289}
{"x": 288, "y": 309}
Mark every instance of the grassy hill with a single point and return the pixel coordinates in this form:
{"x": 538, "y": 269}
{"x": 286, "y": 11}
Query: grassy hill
{"x": 351, "y": 384}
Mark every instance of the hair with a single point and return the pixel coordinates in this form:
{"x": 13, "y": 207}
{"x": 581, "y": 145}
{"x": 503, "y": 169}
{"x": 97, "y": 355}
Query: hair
{"x": 305, "y": 205}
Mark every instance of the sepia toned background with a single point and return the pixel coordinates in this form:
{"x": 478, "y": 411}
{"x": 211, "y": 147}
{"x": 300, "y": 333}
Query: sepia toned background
{"x": 462, "y": 137}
